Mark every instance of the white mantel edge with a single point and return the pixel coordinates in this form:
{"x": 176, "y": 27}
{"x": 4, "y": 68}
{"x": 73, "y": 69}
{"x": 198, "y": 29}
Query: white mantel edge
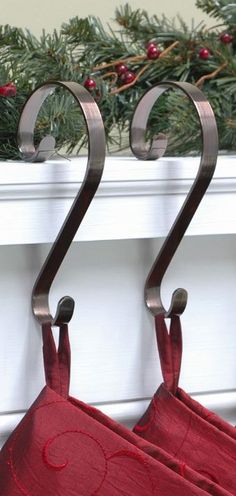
{"x": 128, "y": 412}
{"x": 34, "y": 199}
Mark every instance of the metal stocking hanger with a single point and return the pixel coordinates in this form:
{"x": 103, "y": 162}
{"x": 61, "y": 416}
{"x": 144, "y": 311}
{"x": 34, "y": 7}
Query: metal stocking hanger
{"x": 205, "y": 173}
{"x": 95, "y": 165}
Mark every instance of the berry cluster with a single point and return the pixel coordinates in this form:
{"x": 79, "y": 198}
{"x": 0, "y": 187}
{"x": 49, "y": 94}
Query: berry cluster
{"x": 225, "y": 38}
{"x": 125, "y": 75}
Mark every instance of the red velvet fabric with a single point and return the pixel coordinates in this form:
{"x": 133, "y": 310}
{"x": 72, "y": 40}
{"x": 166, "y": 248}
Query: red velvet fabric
{"x": 63, "y": 447}
{"x": 183, "y": 427}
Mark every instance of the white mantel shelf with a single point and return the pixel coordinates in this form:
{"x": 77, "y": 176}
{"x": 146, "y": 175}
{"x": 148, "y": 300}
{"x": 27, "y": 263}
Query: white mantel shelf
{"x": 135, "y": 199}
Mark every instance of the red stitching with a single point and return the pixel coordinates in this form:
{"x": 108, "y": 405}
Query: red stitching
{"x": 15, "y": 436}
{"x": 142, "y": 428}
{"x": 25, "y": 422}
{"x": 185, "y": 435}
{"x": 182, "y": 467}
{"x": 60, "y": 467}
{"x": 21, "y": 488}
{"x": 139, "y": 458}
{"x": 18, "y": 483}
{"x": 145, "y": 427}
{"x": 44, "y": 455}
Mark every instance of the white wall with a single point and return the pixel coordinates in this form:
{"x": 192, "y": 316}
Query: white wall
{"x": 37, "y": 15}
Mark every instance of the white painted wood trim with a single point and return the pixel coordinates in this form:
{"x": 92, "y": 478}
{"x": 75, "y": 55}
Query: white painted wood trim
{"x": 34, "y": 199}
{"x": 121, "y": 176}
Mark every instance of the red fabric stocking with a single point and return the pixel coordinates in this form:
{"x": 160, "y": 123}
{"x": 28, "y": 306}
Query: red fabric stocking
{"x": 180, "y": 425}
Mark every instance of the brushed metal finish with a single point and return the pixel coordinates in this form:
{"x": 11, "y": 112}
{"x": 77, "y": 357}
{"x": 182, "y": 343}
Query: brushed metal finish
{"x": 95, "y": 166}
{"x": 205, "y": 173}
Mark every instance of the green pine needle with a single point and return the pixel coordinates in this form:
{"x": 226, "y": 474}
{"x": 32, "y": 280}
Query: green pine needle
{"x": 86, "y": 48}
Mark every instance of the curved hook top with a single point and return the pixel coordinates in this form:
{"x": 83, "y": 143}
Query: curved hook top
{"x": 205, "y": 173}
{"x": 95, "y": 165}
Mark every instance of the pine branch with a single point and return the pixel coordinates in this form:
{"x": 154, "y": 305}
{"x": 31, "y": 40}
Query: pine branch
{"x": 224, "y": 10}
{"x": 85, "y": 48}
{"x": 140, "y": 27}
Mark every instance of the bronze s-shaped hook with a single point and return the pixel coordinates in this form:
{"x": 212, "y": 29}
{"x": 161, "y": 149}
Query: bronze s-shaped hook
{"x": 202, "y": 181}
{"x": 95, "y": 165}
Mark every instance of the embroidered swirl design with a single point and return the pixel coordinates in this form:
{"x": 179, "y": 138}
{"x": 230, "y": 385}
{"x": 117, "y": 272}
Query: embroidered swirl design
{"x": 144, "y": 478}
{"x": 95, "y": 451}
{"x": 15, "y": 436}
{"x": 89, "y": 471}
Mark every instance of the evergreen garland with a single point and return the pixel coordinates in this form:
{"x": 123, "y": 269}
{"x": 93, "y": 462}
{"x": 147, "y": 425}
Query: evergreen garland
{"x": 117, "y": 66}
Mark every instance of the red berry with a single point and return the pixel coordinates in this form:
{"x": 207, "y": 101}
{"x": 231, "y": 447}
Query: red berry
{"x": 226, "y": 38}
{"x": 204, "y": 53}
{"x": 128, "y": 77}
{"x": 8, "y": 90}
{"x": 121, "y": 69}
{"x": 150, "y": 44}
{"x": 90, "y": 84}
{"x": 153, "y": 52}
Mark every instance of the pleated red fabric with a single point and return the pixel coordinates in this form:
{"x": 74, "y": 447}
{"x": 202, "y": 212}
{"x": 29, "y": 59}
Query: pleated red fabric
{"x": 182, "y": 426}
{"x": 63, "y": 447}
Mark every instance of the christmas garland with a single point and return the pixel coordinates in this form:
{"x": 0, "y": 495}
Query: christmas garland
{"x": 117, "y": 67}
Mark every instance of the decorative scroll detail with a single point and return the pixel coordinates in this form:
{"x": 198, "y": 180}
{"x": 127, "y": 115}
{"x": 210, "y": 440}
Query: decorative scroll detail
{"x": 90, "y": 467}
{"x": 92, "y": 445}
